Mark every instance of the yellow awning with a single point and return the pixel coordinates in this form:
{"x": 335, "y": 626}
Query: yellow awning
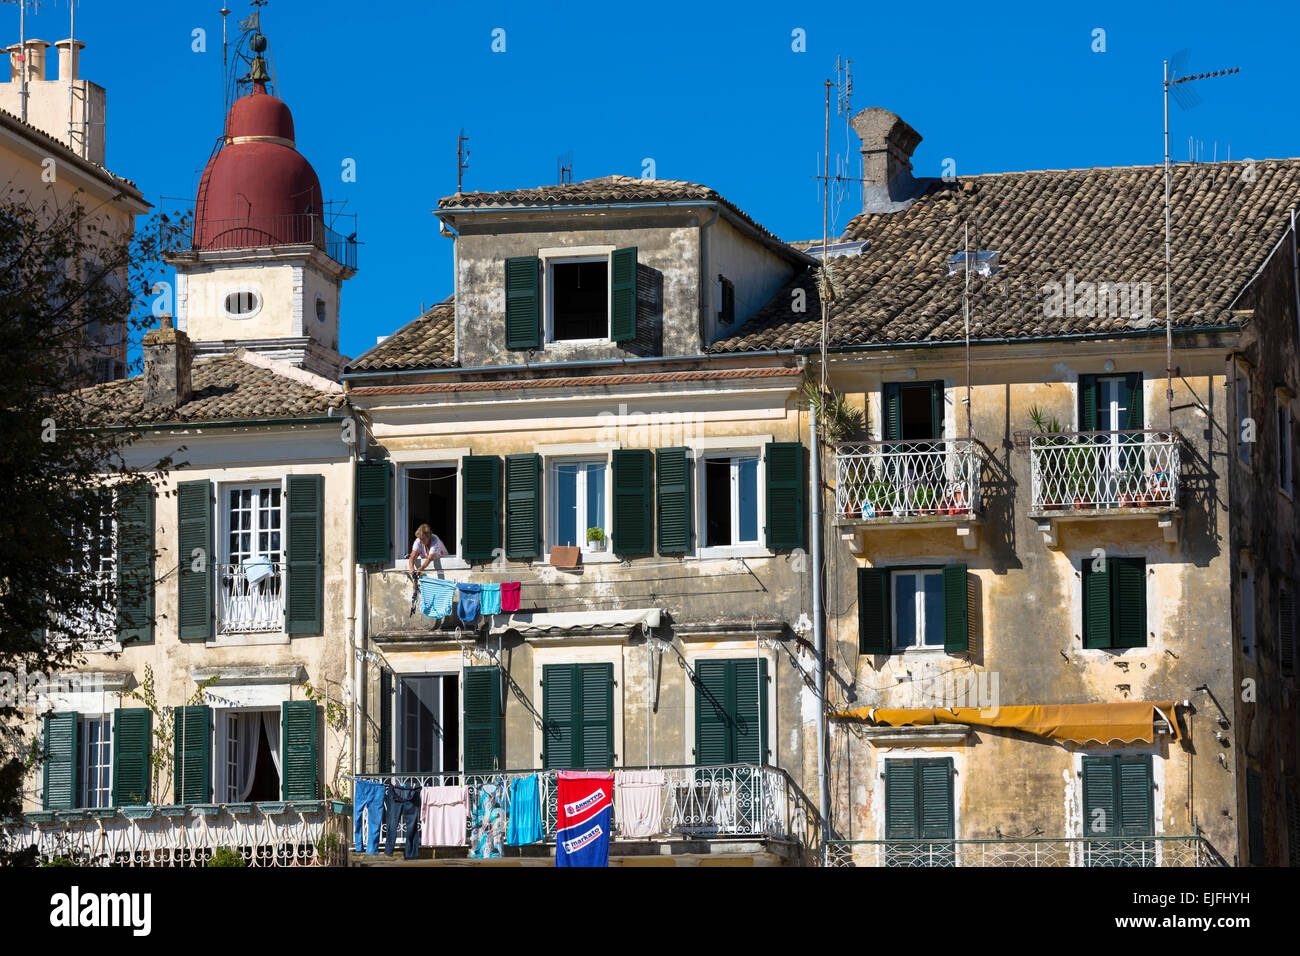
{"x": 1122, "y": 722}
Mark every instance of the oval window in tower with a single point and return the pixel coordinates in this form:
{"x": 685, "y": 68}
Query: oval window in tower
{"x": 320, "y": 309}
{"x": 242, "y": 303}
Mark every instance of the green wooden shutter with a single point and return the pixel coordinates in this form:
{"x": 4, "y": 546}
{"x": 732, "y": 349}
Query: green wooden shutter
{"x": 935, "y": 811}
{"x": 132, "y": 742}
{"x": 385, "y": 721}
{"x": 480, "y": 485}
{"x": 59, "y": 776}
{"x": 749, "y": 728}
{"x": 1135, "y": 816}
{"x": 192, "y": 755}
{"x": 712, "y": 719}
{"x": 559, "y": 711}
{"x": 523, "y": 506}
{"x": 893, "y": 421}
{"x": 873, "y": 611}
{"x": 622, "y": 321}
{"x": 936, "y": 410}
{"x": 901, "y": 821}
{"x": 1097, "y": 604}
{"x": 595, "y": 749}
{"x": 135, "y": 563}
{"x": 304, "y": 554}
{"x": 372, "y": 488}
{"x": 482, "y": 719}
{"x": 299, "y": 748}
{"x": 1129, "y": 593}
{"x": 1099, "y": 797}
{"x": 1136, "y": 418}
{"x": 194, "y": 522}
{"x": 784, "y": 466}
{"x": 632, "y": 517}
{"x": 1255, "y": 818}
{"x": 673, "y": 499}
{"x": 1087, "y": 403}
{"x": 523, "y": 330}
{"x": 956, "y": 610}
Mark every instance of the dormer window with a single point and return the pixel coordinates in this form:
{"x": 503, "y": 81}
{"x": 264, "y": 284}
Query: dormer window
{"x": 579, "y": 299}
{"x": 570, "y": 295}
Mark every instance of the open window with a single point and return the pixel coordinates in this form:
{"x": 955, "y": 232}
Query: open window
{"x": 428, "y": 723}
{"x": 250, "y": 592}
{"x": 248, "y": 748}
{"x": 579, "y": 298}
{"x": 430, "y": 499}
{"x": 913, "y": 411}
{"x": 729, "y": 491}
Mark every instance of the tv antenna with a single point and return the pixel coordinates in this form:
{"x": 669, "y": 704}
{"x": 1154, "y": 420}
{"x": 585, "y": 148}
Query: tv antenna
{"x": 1175, "y": 69}
{"x": 22, "y": 50}
{"x": 462, "y": 159}
{"x": 565, "y": 168}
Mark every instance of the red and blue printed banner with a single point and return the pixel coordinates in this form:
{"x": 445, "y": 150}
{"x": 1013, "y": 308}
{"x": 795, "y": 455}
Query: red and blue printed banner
{"x": 584, "y": 818}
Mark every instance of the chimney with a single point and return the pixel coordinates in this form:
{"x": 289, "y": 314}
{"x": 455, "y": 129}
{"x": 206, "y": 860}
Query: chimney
{"x": 168, "y": 356}
{"x": 69, "y": 58}
{"x": 36, "y": 59}
{"x": 15, "y": 52}
{"x": 887, "y": 145}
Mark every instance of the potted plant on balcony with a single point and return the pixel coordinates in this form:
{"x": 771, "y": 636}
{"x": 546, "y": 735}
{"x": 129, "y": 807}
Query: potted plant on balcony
{"x": 854, "y": 497}
{"x": 879, "y": 500}
{"x": 1157, "y": 485}
{"x": 595, "y": 539}
{"x": 923, "y": 500}
{"x": 1057, "y": 493}
{"x": 955, "y": 502}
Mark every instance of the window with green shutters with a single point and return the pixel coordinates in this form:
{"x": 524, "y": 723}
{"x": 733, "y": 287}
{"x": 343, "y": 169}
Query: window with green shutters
{"x": 385, "y": 720}
{"x": 673, "y": 499}
{"x": 907, "y": 608}
{"x": 632, "y": 517}
{"x": 1114, "y": 602}
{"x": 785, "y": 490}
{"x": 731, "y": 711}
{"x": 482, "y": 719}
{"x": 135, "y": 563}
{"x": 372, "y": 489}
{"x": 1110, "y": 402}
{"x": 622, "y": 319}
{"x": 577, "y": 716}
{"x": 194, "y": 580}
{"x": 1118, "y": 805}
{"x": 480, "y": 484}
{"x": 132, "y": 745}
{"x": 523, "y": 506}
{"x": 192, "y": 754}
{"x": 919, "y": 807}
{"x": 304, "y": 554}
{"x": 523, "y": 315}
{"x": 912, "y": 411}
{"x": 300, "y": 750}
{"x": 59, "y": 762}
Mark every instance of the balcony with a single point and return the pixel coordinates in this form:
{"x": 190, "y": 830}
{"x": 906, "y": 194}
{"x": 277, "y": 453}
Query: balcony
{"x": 731, "y": 810}
{"x": 247, "y": 606}
{"x": 313, "y": 833}
{"x": 1161, "y": 851}
{"x": 264, "y": 232}
{"x": 1105, "y": 474}
{"x": 925, "y": 482}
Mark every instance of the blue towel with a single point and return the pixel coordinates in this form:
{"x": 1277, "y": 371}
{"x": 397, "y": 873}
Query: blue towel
{"x": 491, "y": 599}
{"x": 525, "y": 824}
{"x": 436, "y": 596}
{"x": 469, "y": 601}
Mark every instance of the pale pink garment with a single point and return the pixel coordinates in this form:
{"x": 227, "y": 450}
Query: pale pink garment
{"x": 639, "y": 803}
{"x": 444, "y": 816}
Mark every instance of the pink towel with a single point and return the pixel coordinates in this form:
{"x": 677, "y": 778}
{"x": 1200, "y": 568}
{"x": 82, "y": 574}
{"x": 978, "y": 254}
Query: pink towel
{"x": 444, "y": 816}
{"x": 509, "y": 597}
{"x": 639, "y": 803}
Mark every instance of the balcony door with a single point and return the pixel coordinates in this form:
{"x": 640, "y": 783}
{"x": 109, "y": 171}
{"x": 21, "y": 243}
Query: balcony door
{"x": 248, "y": 755}
{"x": 250, "y": 573}
{"x": 1112, "y": 404}
{"x": 916, "y": 469}
{"x": 428, "y": 713}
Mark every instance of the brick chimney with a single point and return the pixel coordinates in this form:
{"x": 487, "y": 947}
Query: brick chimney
{"x": 168, "y": 356}
{"x": 887, "y": 146}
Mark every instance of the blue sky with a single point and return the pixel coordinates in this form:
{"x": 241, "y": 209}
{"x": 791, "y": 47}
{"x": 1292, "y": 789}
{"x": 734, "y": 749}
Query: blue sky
{"x": 712, "y": 93}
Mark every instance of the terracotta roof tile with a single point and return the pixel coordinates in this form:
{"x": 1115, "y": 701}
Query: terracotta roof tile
{"x": 586, "y": 381}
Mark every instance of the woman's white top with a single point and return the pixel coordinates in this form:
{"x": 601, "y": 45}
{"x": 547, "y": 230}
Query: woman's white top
{"x": 436, "y": 548}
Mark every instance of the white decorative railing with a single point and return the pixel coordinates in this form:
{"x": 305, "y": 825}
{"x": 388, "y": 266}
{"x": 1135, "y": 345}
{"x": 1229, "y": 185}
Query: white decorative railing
{"x": 243, "y": 607}
{"x": 314, "y": 833}
{"x": 899, "y": 479}
{"x": 732, "y": 800}
{"x": 1161, "y": 851}
{"x": 1116, "y": 469}
{"x": 96, "y": 625}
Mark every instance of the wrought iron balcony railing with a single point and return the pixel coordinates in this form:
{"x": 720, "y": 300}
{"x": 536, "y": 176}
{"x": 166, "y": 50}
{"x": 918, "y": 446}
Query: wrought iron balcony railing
{"x": 259, "y": 232}
{"x": 245, "y": 606}
{"x": 1156, "y": 851}
{"x": 900, "y": 479}
{"x": 313, "y": 833}
{"x": 1100, "y": 470}
{"x": 733, "y": 800}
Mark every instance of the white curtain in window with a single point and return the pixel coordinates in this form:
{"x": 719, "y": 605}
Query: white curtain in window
{"x": 271, "y": 723}
{"x": 247, "y": 726}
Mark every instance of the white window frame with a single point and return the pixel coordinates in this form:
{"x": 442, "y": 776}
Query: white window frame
{"x": 222, "y": 758}
{"x": 401, "y": 546}
{"x": 242, "y": 290}
{"x": 224, "y": 557}
{"x": 398, "y": 737}
{"x": 552, "y": 509}
{"x": 223, "y": 506}
{"x": 1285, "y": 461}
{"x": 919, "y": 607}
{"x": 105, "y": 747}
{"x": 552, "y": 257}
{"x": 735, "y": 548}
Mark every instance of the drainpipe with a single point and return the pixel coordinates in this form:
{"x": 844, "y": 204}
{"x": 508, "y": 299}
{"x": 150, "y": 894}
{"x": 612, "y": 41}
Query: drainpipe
{"x": 819, "y": 633}
{"x": 704, "y": 278}
{"x": 1295, "y": 272}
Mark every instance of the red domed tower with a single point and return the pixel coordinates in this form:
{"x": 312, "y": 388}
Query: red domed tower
{"x": 264, "y": 270}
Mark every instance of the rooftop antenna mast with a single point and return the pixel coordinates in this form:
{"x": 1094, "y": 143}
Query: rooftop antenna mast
{"x": 225, "y": 63}
{"x": 1186, "y": 98}
{"x": 565, "y": 164}
{"x": 22, "y": 51}
{"x": 462, "y": 159}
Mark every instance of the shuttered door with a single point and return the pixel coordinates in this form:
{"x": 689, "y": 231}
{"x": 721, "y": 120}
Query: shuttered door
{"x": 1099, "y": 797}
{"x": 1133, "y": 784}
{"x": 873, "y": 611}
{"x": 192, "y": 756}
{"x": 1096, "y": 603}
{"x": 893, "y": 418}
{"x": 631, "y": 472}
{"x": 1129, "y": 589}
{"x": 622, "y": 320}
{"x": 673, "y": 500}
{"x": 578, "y": 716}
{"x": 132, "y": 743}
{"x": 59, "y": 774}
{"x": 731, "y": 711}
{"x": 784, "y": 466}
{"x": 373, "y": 490}
{"x": 902, "y": 821}
{"x": 597, "y": 744}
{"x": 300, "y": 750}
{"x": 956, "y": 612}
{"x": 482, "y": 719}
{"x": 135, "y": 563}
{"x": 749, "y": 729}
{"x": 559, "y": 710}
{"x": 304, "y": 554}
{"x": 480, "y": 482}
{"x": 935, "y": 811}
{"x": 194, "y": 521}
{"x": 523, "y": 506}
{"x": 712, "y": 720}
{"x": 523, "y": 329}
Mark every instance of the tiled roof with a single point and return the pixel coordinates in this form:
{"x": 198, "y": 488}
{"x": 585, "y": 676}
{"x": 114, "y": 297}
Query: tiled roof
{"x": 426, "y": 342}
{"x": 606, "y": 189}
{"x": 229, "y": 388}
{"x": 61, "y": 149}
{"x": 1095, "y": 225}
{"x": 583, "y": 381}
